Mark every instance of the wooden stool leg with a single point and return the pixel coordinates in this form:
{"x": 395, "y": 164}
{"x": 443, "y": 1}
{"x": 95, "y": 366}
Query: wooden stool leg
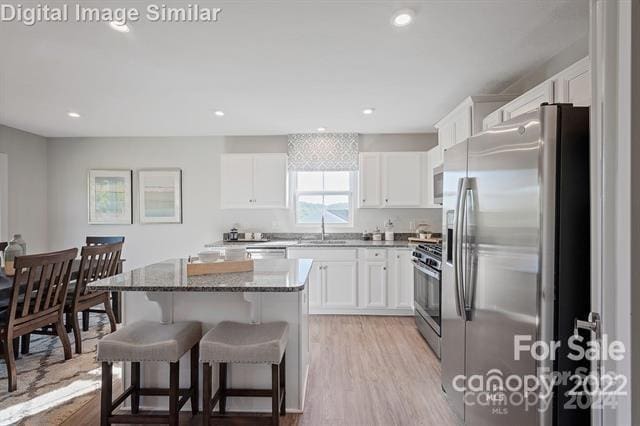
{"x": 206, "y": 393}
{"x": 275, "y": 394}
{"x": 195, "y": 351}
{"x": 283, "y": 403}
{"x": 174, "y": 379}
{"x": 223, "y": 387}
{"x": 106, "y": 396}
{"x": 135, "y": 382}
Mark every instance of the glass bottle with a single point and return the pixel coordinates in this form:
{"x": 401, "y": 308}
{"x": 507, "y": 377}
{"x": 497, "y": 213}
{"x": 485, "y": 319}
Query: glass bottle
{"x": 18, "y": 239}
{"x": 13, "y": 250}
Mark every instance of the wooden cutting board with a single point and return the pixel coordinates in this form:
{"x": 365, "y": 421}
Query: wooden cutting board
{"x": 226, "y": 266}
{"x": 433, "y": 240}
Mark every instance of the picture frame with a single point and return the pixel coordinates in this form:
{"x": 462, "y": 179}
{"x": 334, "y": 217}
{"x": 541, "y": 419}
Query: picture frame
{"x": 110, "y": 197}
{"x": 160, "y": 195}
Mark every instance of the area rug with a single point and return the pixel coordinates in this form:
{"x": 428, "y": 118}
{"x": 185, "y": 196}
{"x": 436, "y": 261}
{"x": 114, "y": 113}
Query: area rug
{"x": 50, "y": 389}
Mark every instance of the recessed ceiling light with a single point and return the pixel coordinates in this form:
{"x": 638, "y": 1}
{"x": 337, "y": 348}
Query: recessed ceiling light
{"x": 73, "y": 114}
{"x": 322, "y": 129}
{"x": 121, "y": 27}
{"x": 368, "y": 111}
{"x": 219, "y": 113}
{"x": 403, "y": 17}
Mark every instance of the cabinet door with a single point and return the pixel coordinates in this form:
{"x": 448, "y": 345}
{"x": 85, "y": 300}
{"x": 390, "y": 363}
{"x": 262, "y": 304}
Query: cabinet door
{"x": 315, "y": 285}
{"x": 431, "y": 159}
{"x": 402, "y": 182}
{"x": 236, "y": 181}
{"x": 375, "y": 284}
{"x": 574, "y": 84}
{"x": 462, "y": 124}
{"x": 403, "y": 279}
{"x": 447, "y": 135}
{"x": 369, "y": 180}
{"x": 492, "y": 119}
{"x": 529, "y": 101}
{"x": 340, "y": 284}
{"x": 270, "y": 180}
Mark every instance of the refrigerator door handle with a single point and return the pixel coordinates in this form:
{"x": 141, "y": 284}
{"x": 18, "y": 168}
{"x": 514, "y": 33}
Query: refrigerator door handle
{"x": 467, "y": 249}
{"x": 457, "y": 249}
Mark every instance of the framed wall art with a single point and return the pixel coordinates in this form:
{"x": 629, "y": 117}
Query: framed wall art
{"x": 160, "y": 192}
{"x": 110, "y": 197}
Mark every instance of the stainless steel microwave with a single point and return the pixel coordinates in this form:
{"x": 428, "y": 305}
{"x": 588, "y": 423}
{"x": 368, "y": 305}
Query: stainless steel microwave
{"x": 438, "y": 179}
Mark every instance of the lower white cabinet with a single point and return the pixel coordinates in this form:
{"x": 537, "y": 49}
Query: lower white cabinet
{"x": 340, "y": 284}
{"x": 402, "y": 276}
{"x": 376, "y": 281}
{"x": 374, "y": 284}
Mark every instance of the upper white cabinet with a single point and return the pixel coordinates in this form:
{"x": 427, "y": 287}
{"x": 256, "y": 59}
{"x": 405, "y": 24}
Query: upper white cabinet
{"x": 250, "y": 181}
{"x": 465, "y": 120}
{"x": 370, "y": 179}
{"x": 401, "y": 179}
{"x": 571, "y": 85}
{"x": 529, "y": 101}
{"x": 391, "y": 179}
{"x": 431, "y": 159}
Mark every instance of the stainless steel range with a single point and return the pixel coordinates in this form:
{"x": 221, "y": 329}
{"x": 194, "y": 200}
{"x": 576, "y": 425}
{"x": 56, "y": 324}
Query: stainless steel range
{"x": 426, "y": 295}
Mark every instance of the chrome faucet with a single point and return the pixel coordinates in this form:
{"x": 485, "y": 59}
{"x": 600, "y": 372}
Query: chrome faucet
{"x": 322, "y": 227}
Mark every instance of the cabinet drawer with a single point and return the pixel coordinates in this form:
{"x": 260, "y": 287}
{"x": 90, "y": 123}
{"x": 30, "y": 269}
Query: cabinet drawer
{"x": 374, "y": 254}
{"x": 322, "y": 254}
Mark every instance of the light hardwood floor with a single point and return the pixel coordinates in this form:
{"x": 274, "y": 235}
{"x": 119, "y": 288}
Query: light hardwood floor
{"x": 365, "y": 370}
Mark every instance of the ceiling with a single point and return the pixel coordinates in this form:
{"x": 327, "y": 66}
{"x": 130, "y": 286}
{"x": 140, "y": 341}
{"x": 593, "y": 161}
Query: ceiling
{"x": 276, "y": 67}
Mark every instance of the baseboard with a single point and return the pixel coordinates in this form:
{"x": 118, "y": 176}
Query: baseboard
{"x": 379, "y": 312}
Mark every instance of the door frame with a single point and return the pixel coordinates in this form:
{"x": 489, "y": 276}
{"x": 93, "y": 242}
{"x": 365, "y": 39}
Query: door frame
{"x": 613, "y": 216}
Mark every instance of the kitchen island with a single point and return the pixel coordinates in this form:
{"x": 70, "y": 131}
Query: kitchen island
{"x": 276, "y": 290}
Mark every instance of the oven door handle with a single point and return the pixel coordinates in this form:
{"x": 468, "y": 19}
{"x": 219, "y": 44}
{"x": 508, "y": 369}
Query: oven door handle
{"x": 429, "y": 272}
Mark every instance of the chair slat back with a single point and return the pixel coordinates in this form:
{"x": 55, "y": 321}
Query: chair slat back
{"x": 98, "y": 241}
{"x": 97, "y": 262}
{"x": 45, "y": 278}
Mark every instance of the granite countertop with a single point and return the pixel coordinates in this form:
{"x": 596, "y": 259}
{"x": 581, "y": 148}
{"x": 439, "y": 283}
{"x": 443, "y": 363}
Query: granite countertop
{"x": 269, "y": 275}
{"x": 315, "y": 244}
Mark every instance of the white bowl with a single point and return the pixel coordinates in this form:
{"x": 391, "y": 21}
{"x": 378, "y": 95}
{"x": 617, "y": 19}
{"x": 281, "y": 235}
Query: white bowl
{"x": 209, "y": 256}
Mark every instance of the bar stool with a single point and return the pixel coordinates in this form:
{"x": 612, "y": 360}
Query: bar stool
{"x": 142, "y": 342}
{"x": 232, "y": 342}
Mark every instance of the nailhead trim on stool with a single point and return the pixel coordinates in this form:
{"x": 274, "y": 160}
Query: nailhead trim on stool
{"x": 148, "y": 341}
{"x": 240, "y": 343}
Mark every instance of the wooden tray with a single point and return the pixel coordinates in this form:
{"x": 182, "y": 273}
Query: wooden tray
{"x": 220, "y": 267}
{"x": 435, "y": 240}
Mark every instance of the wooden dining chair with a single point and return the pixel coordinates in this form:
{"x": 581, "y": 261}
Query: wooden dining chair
{"x": 116, "y": 297}
{"x": 45, "y": 278}
{"x": 3, "y": 245}
{"x": 96, "y": 262}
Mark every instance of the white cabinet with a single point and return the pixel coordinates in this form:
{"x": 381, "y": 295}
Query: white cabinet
{"x": 573, "y": 85}
{"x": 492, "y": 119}
{"x": 430, "y": 159}
{"x": 391, "y": 179}
{"x": 402, "y": 277}
{"x": 374, "y": 284}
{"x": 339, "y": 284}
{"x": 529, "y": 100}
{"x": 315, "y": 286}
{"x": 370, "y": 180}
{"x": 401, "y": 179}
{"x": 363, "y": 281}
{"x": 250, "y": 181}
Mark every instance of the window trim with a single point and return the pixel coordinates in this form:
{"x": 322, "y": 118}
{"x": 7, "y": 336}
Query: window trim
{"x": 293, "y": 178}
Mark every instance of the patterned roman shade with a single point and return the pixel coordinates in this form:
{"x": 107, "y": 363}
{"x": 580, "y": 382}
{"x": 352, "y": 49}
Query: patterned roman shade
{"x": 323, "y": 151}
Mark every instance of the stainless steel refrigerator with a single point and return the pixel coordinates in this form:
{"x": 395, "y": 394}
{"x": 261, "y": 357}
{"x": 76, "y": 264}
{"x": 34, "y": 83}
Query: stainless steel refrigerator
{"x": 516, "y": 250}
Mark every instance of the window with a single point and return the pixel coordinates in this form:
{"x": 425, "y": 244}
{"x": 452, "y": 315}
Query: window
{"x": 323, "y": 193}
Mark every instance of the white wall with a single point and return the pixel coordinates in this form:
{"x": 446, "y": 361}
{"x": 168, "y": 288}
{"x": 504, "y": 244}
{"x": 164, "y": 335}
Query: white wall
{"x": 27, "y": 182}
{"x": 551, "y": 67}
{"x": 199, "y": 159}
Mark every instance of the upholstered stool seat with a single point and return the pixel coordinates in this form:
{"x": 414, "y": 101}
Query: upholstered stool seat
{"x": 149, "y": 341}
{"x": 233, "y": 342}
{"x": 245, "y": 343}
{"x": 146, "y": 341}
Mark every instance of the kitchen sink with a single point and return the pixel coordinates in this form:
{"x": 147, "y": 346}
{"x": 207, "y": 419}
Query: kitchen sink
{"x": 323, "y": 242}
